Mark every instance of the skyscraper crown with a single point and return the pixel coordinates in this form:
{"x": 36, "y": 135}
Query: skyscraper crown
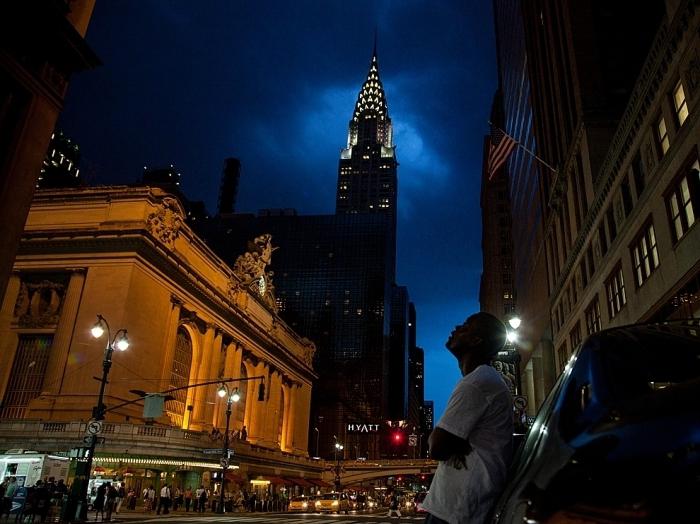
{"x": 371, "y": 100}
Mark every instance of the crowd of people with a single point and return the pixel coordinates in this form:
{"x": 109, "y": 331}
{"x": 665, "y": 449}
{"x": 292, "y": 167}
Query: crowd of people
{"x": 40, "y": 499}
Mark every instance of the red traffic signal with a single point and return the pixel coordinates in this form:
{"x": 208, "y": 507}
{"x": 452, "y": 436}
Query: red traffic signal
{"x": 397, "y": 437}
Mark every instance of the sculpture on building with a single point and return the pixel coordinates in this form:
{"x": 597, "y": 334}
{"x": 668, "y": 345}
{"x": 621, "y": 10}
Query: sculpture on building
{"x": 39, "y": 303}
{"x": 251, "y": 271}
{"x": 166, "y": 221}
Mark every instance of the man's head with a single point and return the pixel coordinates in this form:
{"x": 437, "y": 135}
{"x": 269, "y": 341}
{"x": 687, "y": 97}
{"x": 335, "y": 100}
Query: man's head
{"x": 481, "y": 336}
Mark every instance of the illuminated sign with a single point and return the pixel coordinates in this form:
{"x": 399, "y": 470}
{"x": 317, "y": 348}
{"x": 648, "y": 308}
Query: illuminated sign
{"x": 363, "y": 428}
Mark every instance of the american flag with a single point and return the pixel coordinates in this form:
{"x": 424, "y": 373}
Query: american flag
{"x": 501, "y": 146}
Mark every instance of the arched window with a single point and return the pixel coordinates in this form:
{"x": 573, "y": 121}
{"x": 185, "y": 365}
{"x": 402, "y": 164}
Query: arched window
{"x": 240, "y": 405}
{"x": 180, "y": 376}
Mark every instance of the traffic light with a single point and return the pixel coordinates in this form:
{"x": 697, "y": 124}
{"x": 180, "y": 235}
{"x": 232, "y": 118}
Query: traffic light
{"x": 397, "y": 437}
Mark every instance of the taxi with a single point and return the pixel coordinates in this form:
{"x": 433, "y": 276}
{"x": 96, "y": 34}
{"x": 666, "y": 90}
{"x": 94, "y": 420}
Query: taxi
{"x": 302, "y": 503}
{"x": 333, "y": 502}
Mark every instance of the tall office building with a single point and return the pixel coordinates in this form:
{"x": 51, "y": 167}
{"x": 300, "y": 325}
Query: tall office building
{"x": 61, "y": 164}
{"x": 334, "y": 277}
{"x": 230, "y": 179}
{"x": 367, "y": 181}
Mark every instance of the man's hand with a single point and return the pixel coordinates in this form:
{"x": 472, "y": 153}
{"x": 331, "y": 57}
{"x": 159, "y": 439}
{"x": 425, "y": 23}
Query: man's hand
{"x": 449, "y": 448}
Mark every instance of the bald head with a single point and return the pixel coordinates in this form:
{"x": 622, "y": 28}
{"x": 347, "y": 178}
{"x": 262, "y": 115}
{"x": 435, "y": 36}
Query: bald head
{"x": 482, "y": 334}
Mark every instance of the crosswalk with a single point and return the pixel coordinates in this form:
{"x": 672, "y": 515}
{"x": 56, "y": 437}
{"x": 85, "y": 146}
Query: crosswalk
{"x": 289, "y": 519}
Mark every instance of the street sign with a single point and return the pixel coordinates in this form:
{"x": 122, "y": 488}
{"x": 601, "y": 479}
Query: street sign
{"x": 223, "y": 462}
{"x": 94, "y": 427}
{"x": 520, "y": 402}
{"x": 413, "y": 440}
{"x": 213, "y": 451}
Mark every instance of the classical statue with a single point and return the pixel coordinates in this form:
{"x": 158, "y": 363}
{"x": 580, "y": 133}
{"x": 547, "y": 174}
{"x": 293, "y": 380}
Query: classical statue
{"x": 251, "y": 270}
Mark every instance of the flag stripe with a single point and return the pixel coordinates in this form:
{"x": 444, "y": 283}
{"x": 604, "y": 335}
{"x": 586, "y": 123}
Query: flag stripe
{"x": 500, "y": 148}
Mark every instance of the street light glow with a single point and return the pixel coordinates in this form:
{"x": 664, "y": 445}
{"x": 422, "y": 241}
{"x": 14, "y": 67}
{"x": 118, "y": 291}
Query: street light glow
{"x": 514, "y": 322}
{"x": 123, "y": 342}
{"x": 235, "y": 396}
{"x": 511, "y": 336}
{"x": 221, "y": 391}
{"x": 97, "y": 330}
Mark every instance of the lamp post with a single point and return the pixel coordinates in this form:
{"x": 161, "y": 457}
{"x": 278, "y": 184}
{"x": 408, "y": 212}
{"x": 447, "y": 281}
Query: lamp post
{"x": 512, "y": 336}
{"x": 231, "y": 397}
{"x": 318, "y": 434}
{"x": 338, "y": 449}
{"x": 121, "y": 342}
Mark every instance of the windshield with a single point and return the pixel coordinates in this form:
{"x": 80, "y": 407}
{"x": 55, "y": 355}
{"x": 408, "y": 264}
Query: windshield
{"x": 330, "y": 496}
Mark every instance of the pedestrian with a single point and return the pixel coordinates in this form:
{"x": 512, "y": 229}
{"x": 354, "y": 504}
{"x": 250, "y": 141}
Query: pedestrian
{"x": 131, "y": 499}
{"x": 149, "y": 498}
{"x": 111, "y": 500}
{"x": 394, "y": 506}
{"x": 10, "y": 489}
{"x": 202, "y": 499}
{"x": 473, "y": 439}
{"x": 164, "y": 501}
{"x": 41, "y": 500}
{"x": 188, "y": 498}
{"x": 121, "y": 495}
{"x": 100, "y": 499}
{"x": 244, "y": 433}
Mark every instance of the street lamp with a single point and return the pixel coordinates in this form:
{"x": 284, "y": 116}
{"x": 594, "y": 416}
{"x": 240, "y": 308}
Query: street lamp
{"x": 231, "y": 397}
{"x": 514, "y": 321}
{"x": 318, "y": 434}
{"x": 338, "y": 449}
{"x": 120, "y": 342}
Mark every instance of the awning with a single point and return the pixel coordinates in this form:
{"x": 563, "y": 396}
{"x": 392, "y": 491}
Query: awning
{"x": 321, "y": 483}
{"x": 300, "y": 482}
{"x": 231, "y": 476}
{"x": 277, "y": 480}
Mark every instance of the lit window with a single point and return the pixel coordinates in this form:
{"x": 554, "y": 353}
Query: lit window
{"x": 662, "y": 135}
{"x": 645, "y": 256}
{"x": 593, "y": 317}
{"x": 615, "y": 290}
{"x": 680, "y": 103}
{"x": 682, "y": 201}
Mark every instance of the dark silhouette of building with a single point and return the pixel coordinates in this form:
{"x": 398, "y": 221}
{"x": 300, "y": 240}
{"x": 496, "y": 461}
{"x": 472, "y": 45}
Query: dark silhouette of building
{"x": 612, "y": 109}
{"x": 42, "y": 45}
{"x": 228, "y": 192}
{"x": 61, "y": 164}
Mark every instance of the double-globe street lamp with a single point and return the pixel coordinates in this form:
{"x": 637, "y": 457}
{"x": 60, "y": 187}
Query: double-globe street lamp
{"x": 120, "y": 341}
{"x": 338, "y": 454}
{"x": 231, "y": 397}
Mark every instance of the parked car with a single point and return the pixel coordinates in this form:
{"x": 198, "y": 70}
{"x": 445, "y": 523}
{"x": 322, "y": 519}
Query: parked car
{"x": 302, "y": 503}
{"x": 618, "y": 437}
{"x": 333, "y": 502}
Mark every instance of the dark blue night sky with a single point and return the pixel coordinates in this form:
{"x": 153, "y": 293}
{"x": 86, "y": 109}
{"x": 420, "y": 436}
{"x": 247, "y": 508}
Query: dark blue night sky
{"x": 274, "y": 84}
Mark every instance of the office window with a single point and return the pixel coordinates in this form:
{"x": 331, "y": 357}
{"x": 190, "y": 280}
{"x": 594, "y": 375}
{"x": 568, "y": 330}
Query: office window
{"x": 603, "y": 238}
{"x": 680, "y": 103}
{"x": 638, "y": 174}
{"x": 593, "y": 324}
{"x": 563, "y": 356}
{"x": 615, "y": 292}
{"x": 575, "y": 336}
{"x": 645, "y": 256}
{"x": 662, "y": 135}
{"x": 683, "y": 201}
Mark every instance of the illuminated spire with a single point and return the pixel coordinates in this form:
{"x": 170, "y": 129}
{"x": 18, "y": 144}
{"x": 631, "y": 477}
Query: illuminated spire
{"x": 371, "y": 101}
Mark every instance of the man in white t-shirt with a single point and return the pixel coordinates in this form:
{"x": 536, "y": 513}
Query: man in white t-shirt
{"x": 473, "y": 439}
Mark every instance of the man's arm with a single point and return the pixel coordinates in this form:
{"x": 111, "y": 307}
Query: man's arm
{"x": 443, "y": 445}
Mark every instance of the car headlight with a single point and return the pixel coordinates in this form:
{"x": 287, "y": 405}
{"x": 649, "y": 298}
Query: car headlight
{"x": 304, "y": 505}
{"x": 335, "y": 503}
{"x": 318, "y": 503}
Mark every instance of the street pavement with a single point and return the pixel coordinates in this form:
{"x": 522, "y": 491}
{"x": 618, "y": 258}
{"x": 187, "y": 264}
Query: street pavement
{"x": 264, "y": 518}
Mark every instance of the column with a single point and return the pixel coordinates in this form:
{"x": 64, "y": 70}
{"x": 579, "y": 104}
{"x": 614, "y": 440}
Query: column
{"x": 530, "y": 389}
{"x": 200, "y": 393}
{"x": 301, "y": 419}
{"x": 63, "y": 336}
{"x": 216, "y": 361}
{"x": 289, "y": 421}
{"x": 8, "y": 339}
{"x": 272, "y": 414}
{"x": 258, "y": 409}
{"x": 169, "y": 338}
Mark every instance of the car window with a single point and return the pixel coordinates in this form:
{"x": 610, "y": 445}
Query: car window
{"x": 639, "y": 362}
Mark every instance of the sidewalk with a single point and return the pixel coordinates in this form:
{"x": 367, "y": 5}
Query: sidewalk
{"x": 129, "y": 515}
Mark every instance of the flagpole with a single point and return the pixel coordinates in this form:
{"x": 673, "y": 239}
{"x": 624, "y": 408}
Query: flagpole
{"x": 531, "y": 153}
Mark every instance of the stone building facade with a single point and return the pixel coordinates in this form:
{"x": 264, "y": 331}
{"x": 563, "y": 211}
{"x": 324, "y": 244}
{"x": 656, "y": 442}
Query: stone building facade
{"x": 127, "y": 254}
